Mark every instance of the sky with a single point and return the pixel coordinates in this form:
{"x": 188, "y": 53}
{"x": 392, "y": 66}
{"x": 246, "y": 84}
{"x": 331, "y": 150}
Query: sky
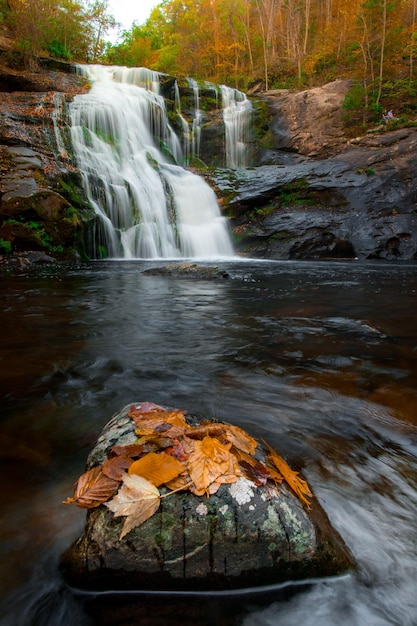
{"x": 128, "y": 11}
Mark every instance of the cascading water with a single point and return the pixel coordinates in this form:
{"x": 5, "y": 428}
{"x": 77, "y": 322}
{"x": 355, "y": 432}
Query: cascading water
{"x": 196, "y": 127}
{"x": 237, "y": 111}
{"x": 147, "y": 206}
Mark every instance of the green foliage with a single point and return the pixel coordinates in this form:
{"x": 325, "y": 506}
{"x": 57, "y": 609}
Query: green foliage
{"x": 37, "y": 231}
{"x": 5, "y": 245}
{"x": 102, "y": 252}
{"x": 58, "y": 50}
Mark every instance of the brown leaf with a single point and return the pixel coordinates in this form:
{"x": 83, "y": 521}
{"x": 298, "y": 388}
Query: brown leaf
{"x": 143, "y": 407}
{"x": 92, "y": 489}
{"x": 116, "y": 466}
{"x": 256, "y": 471}
{"x": 134, "y": 450}
{"x": 177, "y": 451}
{"x": 157, "y": 468}
{"x": 250, "y": 472}
{"x": 297, "y": 484}
{"x": 209, "y": 460}
{"x": 137, "y": 499}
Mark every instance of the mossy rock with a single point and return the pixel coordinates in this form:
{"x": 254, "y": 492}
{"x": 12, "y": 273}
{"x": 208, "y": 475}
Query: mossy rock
{"x": 242, "y": 536}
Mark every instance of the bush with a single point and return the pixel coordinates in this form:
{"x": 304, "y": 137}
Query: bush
{"x": 58, "y": 50}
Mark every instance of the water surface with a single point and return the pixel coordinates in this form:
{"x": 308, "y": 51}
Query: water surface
{"x": 317, "y": 358}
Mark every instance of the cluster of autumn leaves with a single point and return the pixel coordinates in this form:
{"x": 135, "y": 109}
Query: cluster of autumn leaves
{"x": 170, "y": 452}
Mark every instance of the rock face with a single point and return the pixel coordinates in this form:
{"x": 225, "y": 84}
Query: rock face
{"x": 39, "y": 197}
{"x": 241, "y": 536}
{"x": 322, "y": 195}
{"x": 309, "y": 122}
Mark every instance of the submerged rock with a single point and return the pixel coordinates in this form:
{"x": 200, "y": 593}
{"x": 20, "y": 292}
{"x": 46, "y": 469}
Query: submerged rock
{"x": 243, "y": 535}
{"x": 189, "y": 270}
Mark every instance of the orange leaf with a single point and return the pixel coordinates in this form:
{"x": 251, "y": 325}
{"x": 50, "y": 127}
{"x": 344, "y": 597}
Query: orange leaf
{"x": 137, "y": 499}
{"x": 209, "y": 460}
{"x": 226, "y": 479}
{"x": 199, "y": 432}
{"x": 297, "y": 484}
{"x": 157, "y": 468}
{"x": 159, "y": 428}
{"x": 240, "y": 439}
{"x": 183, "y": 481}
{"x": 158, "y": 417}
{"x": 92, "y": 489}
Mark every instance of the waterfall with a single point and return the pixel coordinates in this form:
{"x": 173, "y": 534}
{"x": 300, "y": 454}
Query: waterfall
{"x": 127, "y": 153}
{"x": 197, "y": 118}
{"x": 237, "y": 111}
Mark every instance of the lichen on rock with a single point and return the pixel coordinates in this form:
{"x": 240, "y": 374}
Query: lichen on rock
{"x": 244, "y": 534}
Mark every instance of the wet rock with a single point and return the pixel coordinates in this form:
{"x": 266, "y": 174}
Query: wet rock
{"x": 25, "y": 261}
{"x": 358, "y": 204}
{"x": 244, "y": 535}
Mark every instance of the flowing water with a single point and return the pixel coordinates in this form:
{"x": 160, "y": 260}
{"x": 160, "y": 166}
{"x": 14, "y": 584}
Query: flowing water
{"x": 237, "y": 116}
{"x": 147, "y": 204}
{"x": 317, "y": 358}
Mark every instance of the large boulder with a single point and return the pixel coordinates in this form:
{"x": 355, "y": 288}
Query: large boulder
{"x": 253, "y": 531}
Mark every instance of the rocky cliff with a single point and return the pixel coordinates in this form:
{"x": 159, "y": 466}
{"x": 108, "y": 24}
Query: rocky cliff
{"x": 320, "y": 194}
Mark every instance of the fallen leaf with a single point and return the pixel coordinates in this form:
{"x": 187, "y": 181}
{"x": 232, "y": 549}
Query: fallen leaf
{"x": 297, "y": 484}
{"x": 157, "y": 468}
{"x": 116, "y": 466}
{"x": 177, "y": 451}
{"x": 137, "y": 499}
{"x": 226, "y": 479}
{"x": 257, "y": 473}
{"x": 182, "y": 482}
{"x": 92, "y": 489}
{"x": 133, "y": 450}
{"x": 240, "y": 439}
{"x": 144, "y": 407}
{"x": 209, "y": 460}
{"x": 159, "y": 425}
{"x": 199, "y": 432}
{"x": 158, "y": 416}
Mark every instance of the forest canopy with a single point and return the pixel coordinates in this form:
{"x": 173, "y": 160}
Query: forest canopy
{"x": 275, "y": 43}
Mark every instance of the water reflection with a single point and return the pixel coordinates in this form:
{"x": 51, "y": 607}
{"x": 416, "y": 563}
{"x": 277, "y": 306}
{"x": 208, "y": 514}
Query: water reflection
{"x": 317, "y": 358}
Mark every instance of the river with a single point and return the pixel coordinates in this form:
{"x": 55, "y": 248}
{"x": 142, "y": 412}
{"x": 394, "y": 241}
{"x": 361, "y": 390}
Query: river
{"x": 320, "y": 359}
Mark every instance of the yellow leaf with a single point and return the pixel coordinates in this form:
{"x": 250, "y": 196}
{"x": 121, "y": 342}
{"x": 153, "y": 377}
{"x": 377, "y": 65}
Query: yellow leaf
{"x": 157, "y": 468}
{"x": 137, "y": 499}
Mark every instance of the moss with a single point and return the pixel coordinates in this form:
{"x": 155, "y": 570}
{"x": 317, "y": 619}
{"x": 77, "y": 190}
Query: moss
{"x": 5, "y": 246}
{"x": 164, "y": 537}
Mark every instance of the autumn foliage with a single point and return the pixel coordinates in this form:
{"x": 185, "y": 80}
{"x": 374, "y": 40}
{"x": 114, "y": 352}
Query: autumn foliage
{"x": 172, "y": 454}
